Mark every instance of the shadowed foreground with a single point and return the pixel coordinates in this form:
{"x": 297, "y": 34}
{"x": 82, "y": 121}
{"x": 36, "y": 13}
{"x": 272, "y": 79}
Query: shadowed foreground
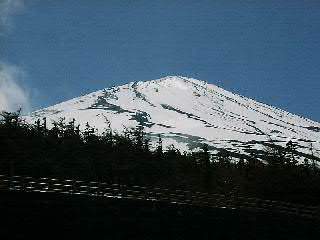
{"x": 50, "y": 215}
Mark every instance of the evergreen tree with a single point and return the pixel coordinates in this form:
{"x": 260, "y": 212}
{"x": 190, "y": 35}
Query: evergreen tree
{"x": 205, "y": 159}
{"x": 64, "y": 151}
{"x": 159, "y": 149}
{"x": 290, "y": 156}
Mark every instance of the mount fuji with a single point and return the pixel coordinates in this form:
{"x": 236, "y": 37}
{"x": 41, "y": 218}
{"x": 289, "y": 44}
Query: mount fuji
{"x": 188, "y": 113}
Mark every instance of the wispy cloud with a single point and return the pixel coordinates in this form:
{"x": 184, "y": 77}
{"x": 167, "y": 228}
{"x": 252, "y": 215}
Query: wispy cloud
{"x": 7, "y": 9}
{"x": 12, "y": 94}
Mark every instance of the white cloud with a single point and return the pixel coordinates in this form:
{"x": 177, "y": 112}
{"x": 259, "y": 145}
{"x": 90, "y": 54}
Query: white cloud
{"x": 12, "y": 94}
{"x": 7, "y": 9}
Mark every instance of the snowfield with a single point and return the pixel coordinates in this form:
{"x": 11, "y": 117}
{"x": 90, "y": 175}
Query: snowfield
{"x": 187, "y": 113}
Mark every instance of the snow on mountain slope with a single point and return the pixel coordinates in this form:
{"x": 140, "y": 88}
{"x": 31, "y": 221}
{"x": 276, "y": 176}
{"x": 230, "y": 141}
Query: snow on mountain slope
{"x": 188, "y": 112}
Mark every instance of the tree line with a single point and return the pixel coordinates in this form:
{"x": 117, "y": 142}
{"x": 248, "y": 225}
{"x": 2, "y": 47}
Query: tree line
{"x": 65, "y": 151}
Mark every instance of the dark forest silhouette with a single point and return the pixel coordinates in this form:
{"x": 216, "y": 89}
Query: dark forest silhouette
{"x": 64, "y": 151}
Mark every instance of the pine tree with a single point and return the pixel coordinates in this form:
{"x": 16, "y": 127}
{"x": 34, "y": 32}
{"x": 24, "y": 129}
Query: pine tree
{"x": 205, "y": 159}
{"x": 159, "y": 149}
{"x": 290, "y": 153}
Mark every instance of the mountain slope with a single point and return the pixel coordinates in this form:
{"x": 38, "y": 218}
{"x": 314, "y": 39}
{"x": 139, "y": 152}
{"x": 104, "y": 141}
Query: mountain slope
{"x": 188, "y": 112}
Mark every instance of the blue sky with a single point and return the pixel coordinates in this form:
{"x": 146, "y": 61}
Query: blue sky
{"x": 266, "y": 50}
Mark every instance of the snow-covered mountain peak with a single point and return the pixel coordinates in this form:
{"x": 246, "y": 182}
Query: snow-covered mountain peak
{"x": 178, "y": 82}
{"x": 187, "y": 113}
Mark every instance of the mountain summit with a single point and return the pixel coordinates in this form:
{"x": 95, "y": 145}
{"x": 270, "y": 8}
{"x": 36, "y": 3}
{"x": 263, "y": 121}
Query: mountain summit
{"x": 187, "y": 113}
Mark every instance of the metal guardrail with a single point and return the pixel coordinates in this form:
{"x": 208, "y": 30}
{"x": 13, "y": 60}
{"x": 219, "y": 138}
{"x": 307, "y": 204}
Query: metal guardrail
{"x": 101, "y": 189}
